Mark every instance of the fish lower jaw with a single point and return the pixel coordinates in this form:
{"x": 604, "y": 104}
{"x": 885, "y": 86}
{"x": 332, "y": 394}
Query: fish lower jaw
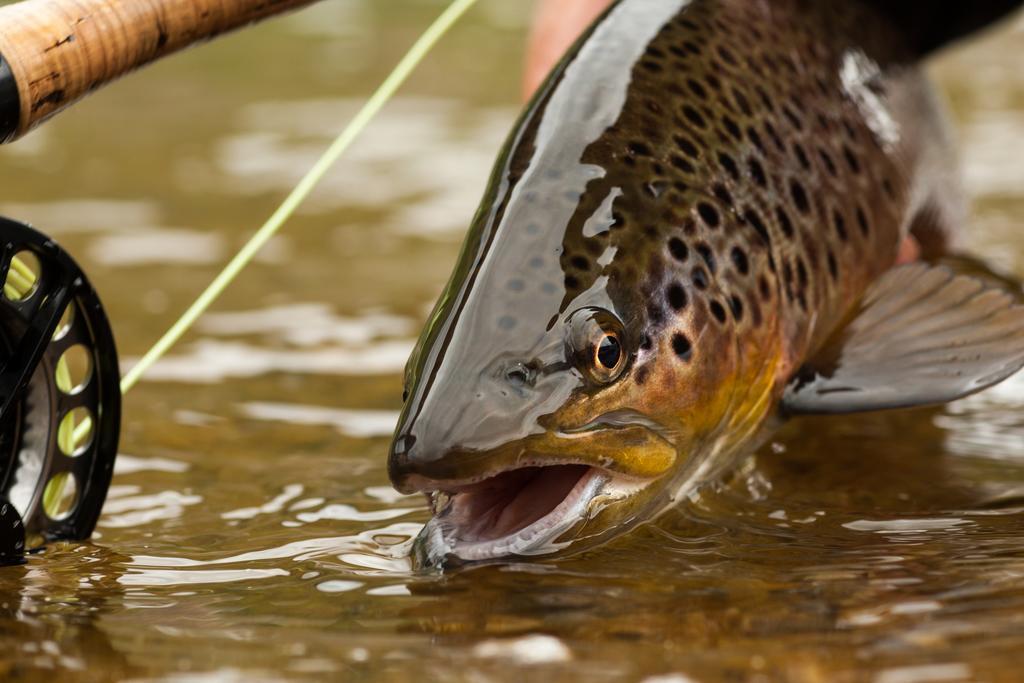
{"x": 522, "y": 512}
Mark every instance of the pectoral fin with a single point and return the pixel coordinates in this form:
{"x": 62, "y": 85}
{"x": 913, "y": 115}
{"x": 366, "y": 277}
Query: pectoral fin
{"x": 923, "y": 335}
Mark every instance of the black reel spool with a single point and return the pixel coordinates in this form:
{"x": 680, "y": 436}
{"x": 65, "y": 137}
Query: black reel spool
{"x": 60, "y": 399}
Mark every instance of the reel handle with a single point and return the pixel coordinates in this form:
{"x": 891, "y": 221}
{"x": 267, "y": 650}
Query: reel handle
{"x": 53, "y": 52}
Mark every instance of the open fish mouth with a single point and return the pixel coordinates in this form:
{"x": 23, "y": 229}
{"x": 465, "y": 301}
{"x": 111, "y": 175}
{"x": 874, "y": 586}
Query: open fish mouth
{"x": 521, "y": 511}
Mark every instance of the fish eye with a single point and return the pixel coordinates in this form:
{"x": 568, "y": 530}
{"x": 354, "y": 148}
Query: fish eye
{"x": 596, "y": 343}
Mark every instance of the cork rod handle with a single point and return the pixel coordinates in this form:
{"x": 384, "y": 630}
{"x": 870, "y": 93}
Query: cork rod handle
{"x": 53, "y": 52}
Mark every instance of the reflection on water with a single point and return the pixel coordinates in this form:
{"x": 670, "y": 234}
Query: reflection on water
{"x": 250, "y": 534}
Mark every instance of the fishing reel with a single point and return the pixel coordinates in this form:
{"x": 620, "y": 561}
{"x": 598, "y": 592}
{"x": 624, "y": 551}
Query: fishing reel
{"x": 60, "y": 400}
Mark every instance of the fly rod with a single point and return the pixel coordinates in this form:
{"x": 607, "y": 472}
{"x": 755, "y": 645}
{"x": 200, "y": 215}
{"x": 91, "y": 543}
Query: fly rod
{"x": 54, "y": 52}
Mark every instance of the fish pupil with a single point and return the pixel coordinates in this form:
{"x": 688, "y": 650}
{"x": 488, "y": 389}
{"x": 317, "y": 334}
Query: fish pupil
{"x": 608, "y": 352}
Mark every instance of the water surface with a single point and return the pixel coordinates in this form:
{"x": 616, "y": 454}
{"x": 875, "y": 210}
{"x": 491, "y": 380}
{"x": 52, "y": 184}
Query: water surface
{"x": 250, "y": 533}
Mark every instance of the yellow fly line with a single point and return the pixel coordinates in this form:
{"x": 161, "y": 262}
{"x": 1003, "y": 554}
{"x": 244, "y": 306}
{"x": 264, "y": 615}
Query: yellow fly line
{"x": 380, "y": 97}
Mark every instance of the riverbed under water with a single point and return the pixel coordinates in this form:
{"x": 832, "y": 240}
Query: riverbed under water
{"x": 251, "y": 534}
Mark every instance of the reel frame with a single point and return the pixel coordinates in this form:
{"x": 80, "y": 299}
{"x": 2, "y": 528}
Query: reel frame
{"x": 53, "y": 432}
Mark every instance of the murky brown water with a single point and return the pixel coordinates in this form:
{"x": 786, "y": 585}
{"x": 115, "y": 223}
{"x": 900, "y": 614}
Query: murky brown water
{"x": 250, "y": 533}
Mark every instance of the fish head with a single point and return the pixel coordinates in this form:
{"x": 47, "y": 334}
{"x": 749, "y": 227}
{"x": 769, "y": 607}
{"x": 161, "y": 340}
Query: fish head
{"x": 557, "y": 396}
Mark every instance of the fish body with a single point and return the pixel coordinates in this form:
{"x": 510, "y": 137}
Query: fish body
{"x": 692, "y": 213}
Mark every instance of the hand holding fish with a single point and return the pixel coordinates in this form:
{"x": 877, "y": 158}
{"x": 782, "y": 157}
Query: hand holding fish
{"x": 556, "y": 25}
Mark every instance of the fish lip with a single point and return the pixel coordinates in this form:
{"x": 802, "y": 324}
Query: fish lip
{"x": 606, "y": 423}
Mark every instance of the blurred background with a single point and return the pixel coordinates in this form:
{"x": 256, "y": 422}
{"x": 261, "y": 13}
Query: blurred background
{"x": 251, "y": 534}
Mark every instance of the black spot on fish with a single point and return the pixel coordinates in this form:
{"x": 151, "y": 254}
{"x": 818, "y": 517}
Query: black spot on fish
{"x": 700, "y": 278}
{"x": 739, "y": 259}
{"x": 729, "y": 165}
{"x": 851, "y": 159}
{"x": 676, "y": 296}
{"x": 717, "y": 310}
{"x": 862, "y": 222}
{"x": 754, "y": 218}
{"x": 687, "y": 147}
{"x": 678, "y": 249}
{"x": 755, "y": 139}
{"x": 763, "y": 289}
{"x": 784, "y": 222}
{"x": 737, "y": 307}
{"x": 840, "y": 224}
{"x": 697, "y": 89}
{"x": 580, "y": 263}
{"x": 682, "y": 164}
{"x": 801, "y": 156}
{"x": 732, "y": 128}
{"x": 726, "y": 55}
{"x": 757, "y": 173}
{"x": 694, "y": 116}
{"x": 640, "y": 377}
{"x": 829, "y": 164}
{"x": 742, "y": 103}
{"x": 639, "y": 149}
{"x": 571, "y": 282}
{"x": 799, "y": 195}
{"x": 833, "y": 267}
{"x": 791, "y": 115}
{"x": 646, "y": 343}
{"x": 681, "y": 346}
{"x": 722, "y": 194}
{"x": 709, "y": 258}
{"x": 709, "y": 214}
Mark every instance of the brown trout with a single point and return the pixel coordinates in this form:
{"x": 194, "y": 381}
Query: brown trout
{"x": 691, "y": 235}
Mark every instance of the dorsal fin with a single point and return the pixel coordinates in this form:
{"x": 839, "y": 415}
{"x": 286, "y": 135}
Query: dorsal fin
{"x": 929, "y": 25}
{"x": 923, "y": 335}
